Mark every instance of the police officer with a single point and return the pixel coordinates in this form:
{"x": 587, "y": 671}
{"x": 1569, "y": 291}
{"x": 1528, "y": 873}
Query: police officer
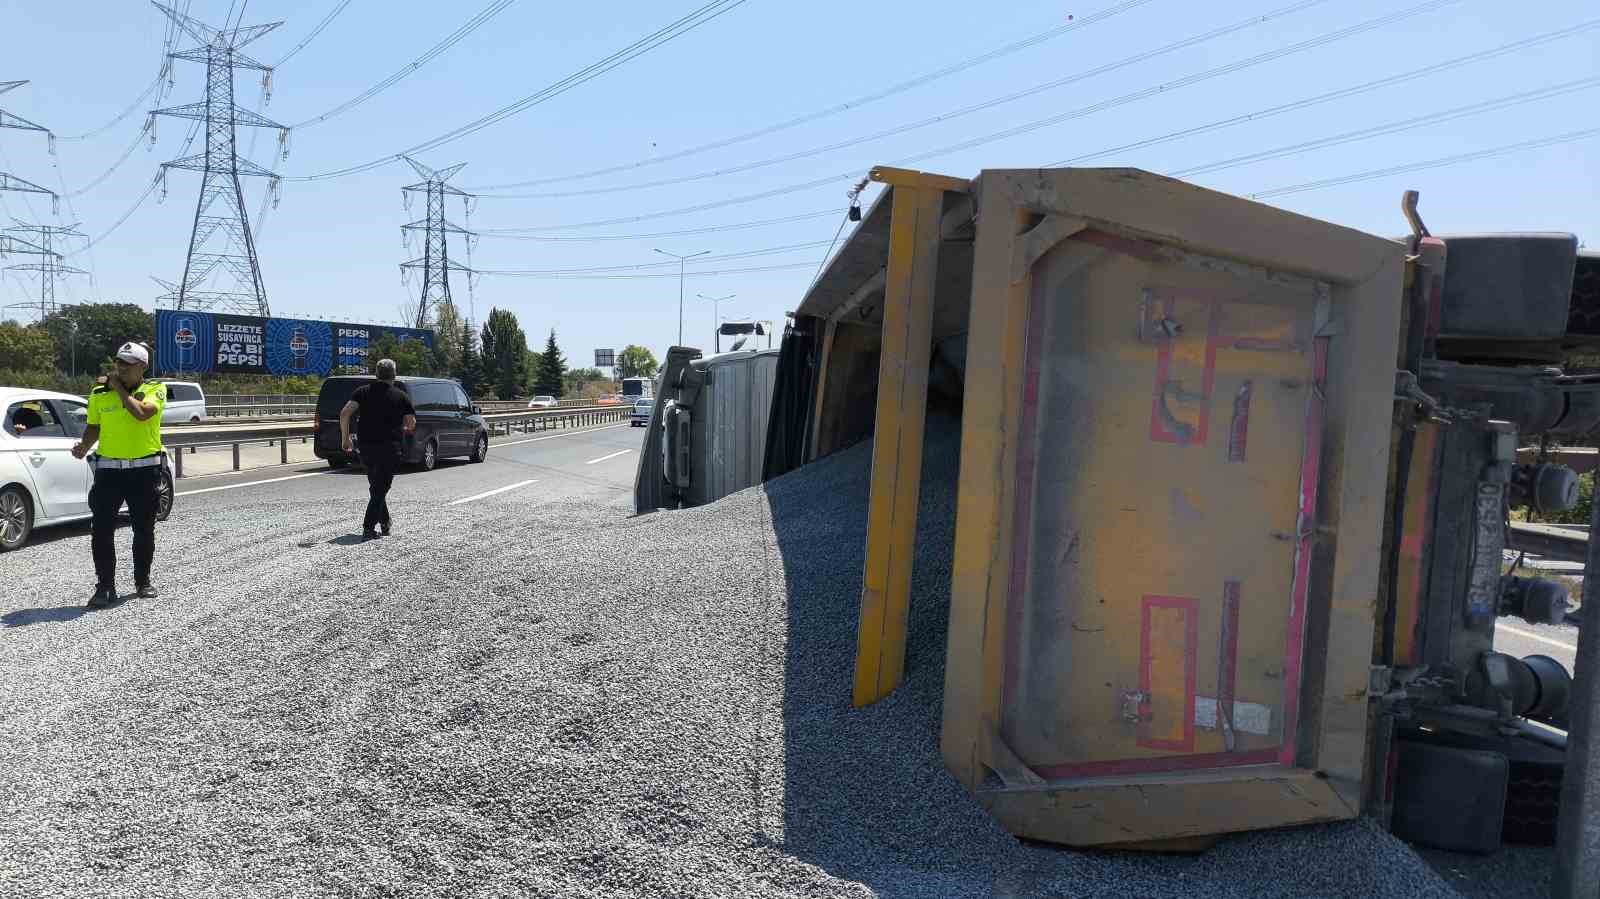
{"x": 125, "y": 418}
{"x": 386, "y": 416}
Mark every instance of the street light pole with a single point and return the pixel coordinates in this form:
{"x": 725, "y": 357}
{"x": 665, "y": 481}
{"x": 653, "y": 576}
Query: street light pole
{"x": 716, "y": 305}
{"x": 681, "y": 261}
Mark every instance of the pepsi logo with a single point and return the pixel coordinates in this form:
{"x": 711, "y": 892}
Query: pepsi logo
{"x": 184, "y": 338}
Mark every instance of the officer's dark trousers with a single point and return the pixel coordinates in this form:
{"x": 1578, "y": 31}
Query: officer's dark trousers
{"x": 382, "y": 460}
{"x": 113, "y": 486}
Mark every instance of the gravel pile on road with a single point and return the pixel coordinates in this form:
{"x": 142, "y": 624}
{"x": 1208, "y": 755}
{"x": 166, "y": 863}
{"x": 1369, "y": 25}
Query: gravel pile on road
{"x": 518, "y": 697}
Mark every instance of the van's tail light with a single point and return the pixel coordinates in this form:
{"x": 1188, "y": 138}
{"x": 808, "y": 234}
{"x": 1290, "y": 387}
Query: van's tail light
{"x": 316, "y": 425}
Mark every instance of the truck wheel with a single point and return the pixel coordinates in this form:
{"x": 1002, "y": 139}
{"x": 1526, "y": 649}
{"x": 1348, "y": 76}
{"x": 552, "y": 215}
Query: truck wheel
{"x": 16, "y": 518}
{"x": 337, "y": 461}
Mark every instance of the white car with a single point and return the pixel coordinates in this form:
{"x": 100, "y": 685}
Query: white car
{"x": 40, "y": 483}
{"x": 186, "y": 403}
{"x": 542, "y": 402}
{"x": 642, "y": 408}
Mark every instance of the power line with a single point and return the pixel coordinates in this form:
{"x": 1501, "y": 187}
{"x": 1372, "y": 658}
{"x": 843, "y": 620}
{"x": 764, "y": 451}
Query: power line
{"x": 704, "y": 274}
{"x": 1332, "y": 140}
{"x": 638, "y": 48}
{"x": 1440, "y": 162}
{"x": 745, "y": 254}
{"x": 1447, "y": 115}
{"x": 162, "y": 74}
{"x": 326, "y": 20}
{"x": 1340, "y": 94}
{"x": 158, "y": 181}
{"x": 122, "y": 158}
{"x": 856, "y": 103}
{"x": 61, "y": 179}
{"x": 835, "y": 178}
{"x": 953, "y": 114}
{"x": 455, "y": 37}
{"x": 516, "y": 233}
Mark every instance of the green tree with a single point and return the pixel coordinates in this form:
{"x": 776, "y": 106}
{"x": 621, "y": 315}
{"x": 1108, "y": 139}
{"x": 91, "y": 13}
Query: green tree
{"x": 28, "y": 348}
{"x": 636, "y": 362}
{"x": 101, "y": 328}
{"x": 384, "y": 346}
{"x": 579, "y": 378}
{"x": 505, "y": 350}
{"x": 469, "y": 365}
{"x": 552, "y": 369}
{"x": 446, "y": 345}
{"x": 531, "y": 363}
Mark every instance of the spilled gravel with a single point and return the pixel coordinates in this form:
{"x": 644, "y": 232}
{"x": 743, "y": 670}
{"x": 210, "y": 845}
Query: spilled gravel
{"x": 527, "y": 698}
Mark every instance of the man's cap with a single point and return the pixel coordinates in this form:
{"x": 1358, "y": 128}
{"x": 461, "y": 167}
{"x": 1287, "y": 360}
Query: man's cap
{"x": 133, "y": 352}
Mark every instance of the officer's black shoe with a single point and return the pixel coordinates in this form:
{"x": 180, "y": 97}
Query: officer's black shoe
{"x": 369, "y": 535}
{"x": 147, "y": 591}
{"x": 103, "y": 598}
{"x": 384, "y": 527}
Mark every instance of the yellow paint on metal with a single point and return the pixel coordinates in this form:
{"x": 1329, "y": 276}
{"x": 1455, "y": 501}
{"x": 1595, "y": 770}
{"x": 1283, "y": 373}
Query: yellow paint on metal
{"x": 1169, "y": 651}
{"x": 1166, "y": 464}
{"x": 975, "y": 658}
{"x": 1411, "y": 579}
{"x": 922, "y": 180}
{"x": 1163, "y": 513}
{"x": 897, "y": 445}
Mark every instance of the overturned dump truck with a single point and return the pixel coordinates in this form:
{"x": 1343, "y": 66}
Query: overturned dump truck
{"x": 1234, "y": 489}
{"x": 708, "y": 425}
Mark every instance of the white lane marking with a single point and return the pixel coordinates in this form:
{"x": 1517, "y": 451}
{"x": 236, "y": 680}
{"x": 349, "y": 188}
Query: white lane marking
{"x": 612, "y": 456}
{"x": 554, "y": 436}
{"x": 293, "y": 477}
{"x": 468, "y": 499}
{"x": 315, "y": 473}
{"x": 1530, "y": 635}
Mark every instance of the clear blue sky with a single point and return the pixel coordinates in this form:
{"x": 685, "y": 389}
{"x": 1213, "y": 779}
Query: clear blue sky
{"x": 332, "y": 247}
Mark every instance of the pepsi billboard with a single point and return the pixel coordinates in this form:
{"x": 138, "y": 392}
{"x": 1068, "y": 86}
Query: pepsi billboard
{"x": 210, "y": 342}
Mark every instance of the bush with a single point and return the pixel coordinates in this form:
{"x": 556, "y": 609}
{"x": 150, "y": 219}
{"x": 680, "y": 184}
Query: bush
{"x": 48, "y": 380}
{"x": 218, "y": 385}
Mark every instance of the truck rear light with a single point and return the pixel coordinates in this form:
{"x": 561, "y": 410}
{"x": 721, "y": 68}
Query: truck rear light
{"x": 316, "y": 425}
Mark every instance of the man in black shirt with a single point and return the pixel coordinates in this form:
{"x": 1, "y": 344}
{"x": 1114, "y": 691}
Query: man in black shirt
{"x": 386, "y": 416}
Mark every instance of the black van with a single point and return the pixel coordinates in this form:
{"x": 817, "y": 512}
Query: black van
{"x": 448, "y": 424}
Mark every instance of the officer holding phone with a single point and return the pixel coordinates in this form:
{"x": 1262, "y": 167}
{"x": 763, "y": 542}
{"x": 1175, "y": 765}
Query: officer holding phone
{"x": 125, "y": 419}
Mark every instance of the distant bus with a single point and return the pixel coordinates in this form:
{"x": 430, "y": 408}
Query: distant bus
{"x": 633, "y": 388}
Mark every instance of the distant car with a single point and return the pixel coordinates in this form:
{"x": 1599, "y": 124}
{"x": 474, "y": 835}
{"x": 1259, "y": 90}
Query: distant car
{"x": 40, "y": 483}
{"x": 641, "y": 412}
{"x": 186, "y": 403}
{"x": 448, "y": 423}
{"x": 542, "y": 402}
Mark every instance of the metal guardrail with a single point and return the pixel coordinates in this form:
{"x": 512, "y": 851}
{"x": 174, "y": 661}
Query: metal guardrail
{"x": 283, "y": 452}
{"x": 261, "y": 409}
{"x": 548, "y": 419}
{"x": 309, "y": 407}
{"x": 499, "y": 424}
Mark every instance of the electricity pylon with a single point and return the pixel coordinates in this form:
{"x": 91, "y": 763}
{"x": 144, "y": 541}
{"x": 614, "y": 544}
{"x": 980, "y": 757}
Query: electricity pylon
{"x": 49, "y": 266}
{"x": 221, "y": 242}
{"x": 435, "y": 259}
